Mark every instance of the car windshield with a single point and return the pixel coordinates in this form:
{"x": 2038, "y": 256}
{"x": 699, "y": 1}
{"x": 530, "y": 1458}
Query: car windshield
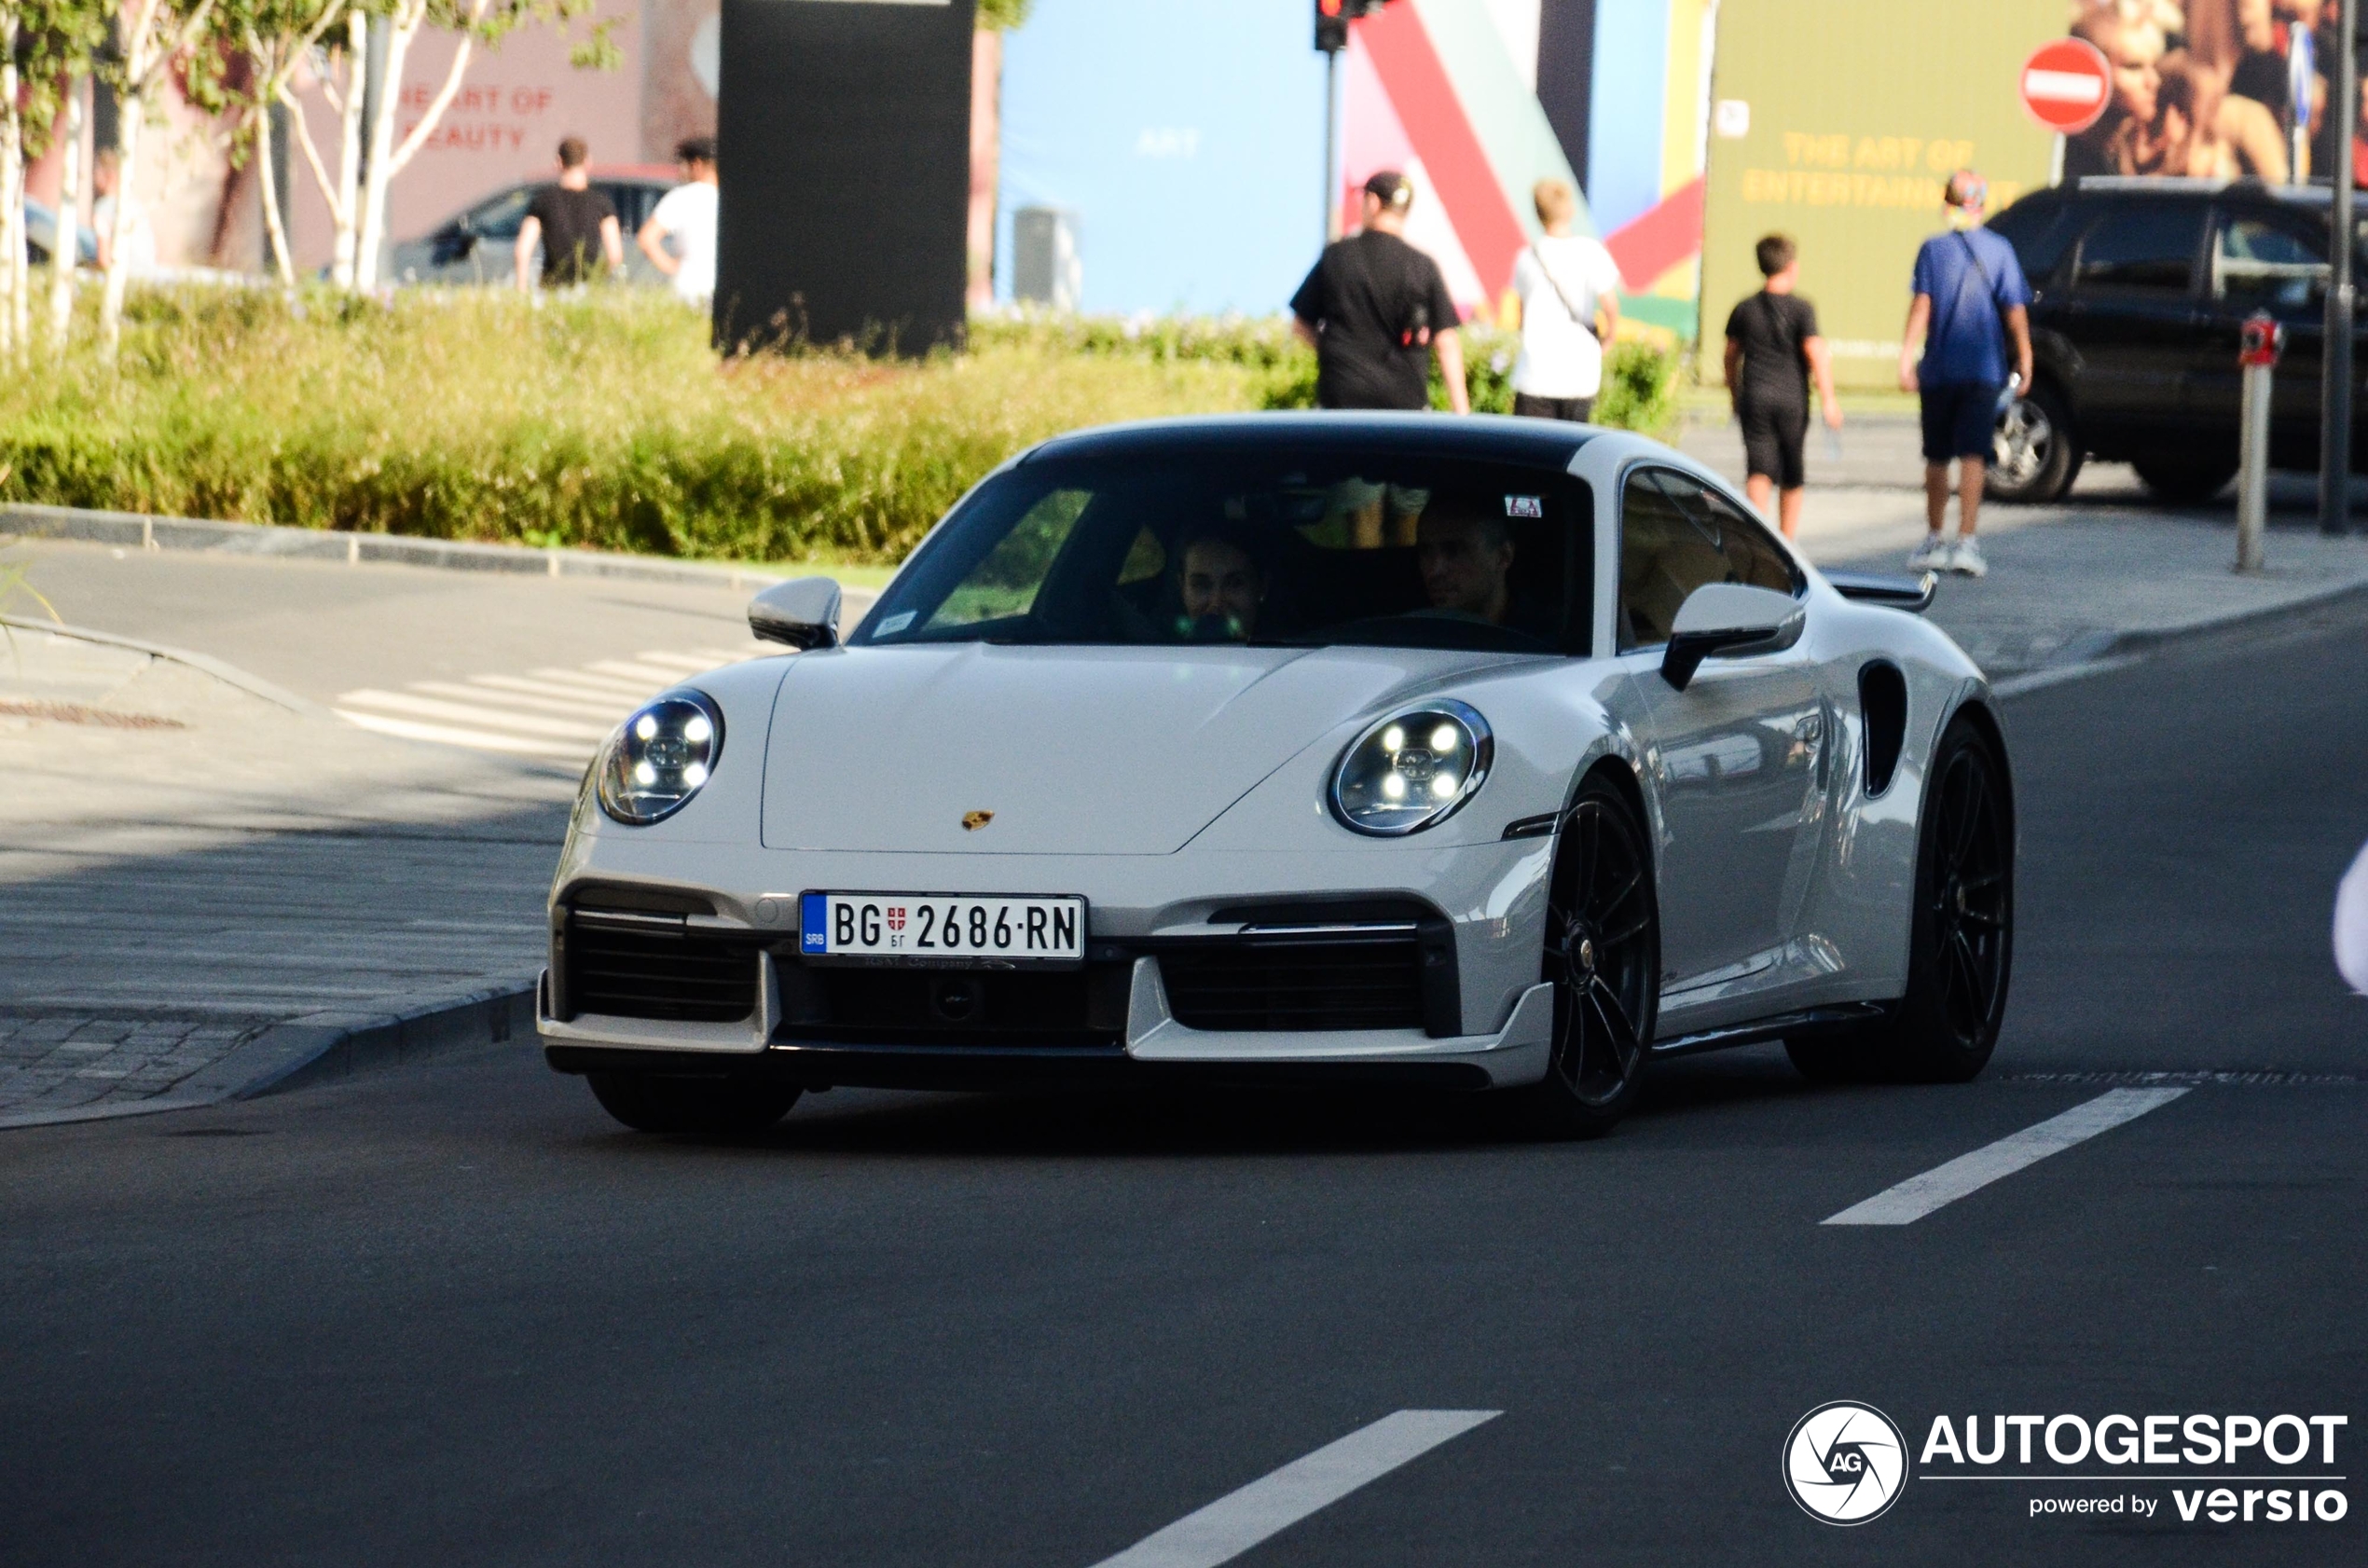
{"x": 1261, "y": 548}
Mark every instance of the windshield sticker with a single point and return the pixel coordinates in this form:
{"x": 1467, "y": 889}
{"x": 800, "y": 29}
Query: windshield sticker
{"x": 895, "y": 624}
{"x": 1524, "y": 506}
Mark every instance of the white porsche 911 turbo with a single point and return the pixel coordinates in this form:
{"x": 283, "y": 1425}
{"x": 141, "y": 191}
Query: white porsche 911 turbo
{"x": 1477, "y": 753}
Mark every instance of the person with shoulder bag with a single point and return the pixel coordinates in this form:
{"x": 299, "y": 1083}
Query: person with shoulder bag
{"x": 1375, "y": 309}
{"x": 1568, "y": 288}
{"x": 1970, "y": 306}
{"x": 1773, "y": 349}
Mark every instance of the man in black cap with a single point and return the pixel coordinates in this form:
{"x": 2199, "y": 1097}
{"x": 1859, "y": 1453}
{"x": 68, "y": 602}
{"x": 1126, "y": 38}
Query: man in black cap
{"x": 1375, "y": 309}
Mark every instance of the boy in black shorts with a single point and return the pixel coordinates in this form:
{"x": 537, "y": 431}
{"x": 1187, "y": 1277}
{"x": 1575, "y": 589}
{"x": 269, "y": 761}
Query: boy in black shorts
{"x": 1772, "y": 350}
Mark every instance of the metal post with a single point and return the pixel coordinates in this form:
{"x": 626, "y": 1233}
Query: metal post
{"x": 2334, "y": 419}
{"x": 2258, "y": 358}
{"x": 1331, "y": 151}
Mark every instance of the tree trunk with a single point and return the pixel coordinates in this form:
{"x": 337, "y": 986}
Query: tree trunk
{"x": 270, "y": 179}
{"x": 345, "y": 203}
{"x": 12, "y": 231}
{"x": 68, "y": 250}
{"x": 129, "y": 125}
{"x": 401, "y": 30}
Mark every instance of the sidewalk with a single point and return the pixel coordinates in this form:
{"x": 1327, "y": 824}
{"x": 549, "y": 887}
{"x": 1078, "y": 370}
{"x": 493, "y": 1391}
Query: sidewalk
{"x": 200, "y": 887}
{"x": 2104, "y": 572}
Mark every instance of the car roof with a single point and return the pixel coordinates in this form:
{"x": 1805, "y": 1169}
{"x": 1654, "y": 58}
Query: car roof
{"x": 2314, "y": 195}
{"x": 1506, "y": 439}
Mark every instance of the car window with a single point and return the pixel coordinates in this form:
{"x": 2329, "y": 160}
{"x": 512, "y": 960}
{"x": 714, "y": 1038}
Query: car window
{"x": 1675, "y": 535}
{"x": 2258, "y": 264}
{"x": 2041, "y": 232}
{"x": 2147, "y": 247}
{"x": 1355, "y": 546}
{"x": 502, "y": 216}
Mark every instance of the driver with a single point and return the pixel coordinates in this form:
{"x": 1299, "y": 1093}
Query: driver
{"x": 1223, "y": 589}
{"x": 1465, "y": 555}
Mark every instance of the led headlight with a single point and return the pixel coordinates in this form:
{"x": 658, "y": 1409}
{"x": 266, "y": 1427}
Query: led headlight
{"x": 658, "y": 757}
{"x": 1413, "y": 769}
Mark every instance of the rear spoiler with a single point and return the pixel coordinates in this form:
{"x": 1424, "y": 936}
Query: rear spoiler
{"x": 1911, "y": 594}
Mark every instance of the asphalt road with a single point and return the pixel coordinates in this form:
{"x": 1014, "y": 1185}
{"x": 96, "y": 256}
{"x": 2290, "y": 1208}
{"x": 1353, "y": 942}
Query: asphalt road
{"x": 453, "y": 1314}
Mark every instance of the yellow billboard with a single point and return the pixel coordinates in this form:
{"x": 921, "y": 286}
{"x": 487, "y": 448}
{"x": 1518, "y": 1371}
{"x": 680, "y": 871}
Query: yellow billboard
{"x": 1837, "y": 122}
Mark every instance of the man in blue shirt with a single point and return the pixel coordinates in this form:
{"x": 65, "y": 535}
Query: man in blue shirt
{"x": 1970, "y": 307}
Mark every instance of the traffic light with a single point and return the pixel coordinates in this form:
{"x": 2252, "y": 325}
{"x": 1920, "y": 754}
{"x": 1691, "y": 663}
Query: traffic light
{"x": 1332, "y": 18}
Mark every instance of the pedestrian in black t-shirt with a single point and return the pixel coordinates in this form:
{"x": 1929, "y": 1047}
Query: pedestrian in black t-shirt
{"x": 573, "y": 224}
{"x": 1772, "y": 350}
{"x": 1376, "y": 309}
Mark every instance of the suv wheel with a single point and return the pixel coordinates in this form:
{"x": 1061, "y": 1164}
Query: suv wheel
{"x": 2034, "y": 455}
{"x": 2184, "y": 482}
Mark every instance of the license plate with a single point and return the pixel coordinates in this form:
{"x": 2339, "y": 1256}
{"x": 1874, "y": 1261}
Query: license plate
{"x": 940, "y": 929}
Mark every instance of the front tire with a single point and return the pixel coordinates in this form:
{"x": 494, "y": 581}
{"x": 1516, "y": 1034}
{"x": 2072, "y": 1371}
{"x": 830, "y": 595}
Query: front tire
{"x": 1962, "y": 932}
{"x": 714, "y": 1108}
{"x": 1602, "y": 957}
{"x": 2034, "y": 453}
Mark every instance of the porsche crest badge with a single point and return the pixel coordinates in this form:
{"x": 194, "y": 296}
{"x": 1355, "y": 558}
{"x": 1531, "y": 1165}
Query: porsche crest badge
{"x": 973, "y": 820}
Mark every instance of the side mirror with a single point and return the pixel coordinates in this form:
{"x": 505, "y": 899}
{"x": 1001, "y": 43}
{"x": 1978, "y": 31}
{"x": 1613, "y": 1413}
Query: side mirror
{"x": 1728, "y": 619}
{"x": 802, "y": 612}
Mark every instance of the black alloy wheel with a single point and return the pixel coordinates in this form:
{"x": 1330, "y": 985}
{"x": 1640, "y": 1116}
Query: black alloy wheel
{"x": 2035, "y": 455}
{"x": 1602, "y": 957}
{"x": 1962, "y": 932}
{"x": 709, "y": 1108}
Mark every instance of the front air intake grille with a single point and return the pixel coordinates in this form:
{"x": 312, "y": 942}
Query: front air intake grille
{"x": 628, "y": 966}
{"x": 1247, "y": 983}
{"x": 1021, "y": 1009}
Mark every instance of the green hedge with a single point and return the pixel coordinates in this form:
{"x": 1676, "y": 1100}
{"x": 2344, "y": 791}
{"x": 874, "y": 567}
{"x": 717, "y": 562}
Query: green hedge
{"x": 605, "y": 422}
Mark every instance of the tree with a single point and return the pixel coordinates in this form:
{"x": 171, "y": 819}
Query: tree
{"x": 47, "y": 54}
{"x": 155, "y": 34}
{"x": 274, "y": 39}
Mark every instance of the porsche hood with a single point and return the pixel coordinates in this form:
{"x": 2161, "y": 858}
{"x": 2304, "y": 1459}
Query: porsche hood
{"x": 971, "y": 748}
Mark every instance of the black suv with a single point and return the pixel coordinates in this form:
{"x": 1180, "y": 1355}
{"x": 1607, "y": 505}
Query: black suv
{"x": 2139, "y": 288}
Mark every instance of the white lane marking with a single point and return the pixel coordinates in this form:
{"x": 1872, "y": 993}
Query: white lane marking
{"x": 470, "y": 713}
{"x": 1241, "y": 1519}
{"x": 483, "y": 741}
{"x": 2040, "y": 679}
{"x": 683, "y": 662}
{"x": 603, "y": 700}
{"x": 476, "y": 691}
{"x": 625, "y": 670}
{"x": 1919, "y": 1196}
{"x": 598, "y": 685}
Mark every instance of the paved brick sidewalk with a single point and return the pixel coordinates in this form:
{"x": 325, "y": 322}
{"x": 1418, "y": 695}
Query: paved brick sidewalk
{"x": 185, "y": 865}
{"x": 71, "y": 1061}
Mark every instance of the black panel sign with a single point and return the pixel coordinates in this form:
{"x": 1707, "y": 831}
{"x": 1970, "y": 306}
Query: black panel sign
{"x": 843, "y": 132}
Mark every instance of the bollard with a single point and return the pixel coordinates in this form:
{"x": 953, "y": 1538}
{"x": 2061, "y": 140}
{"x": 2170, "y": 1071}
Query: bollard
{"x": 2258, "y": 358}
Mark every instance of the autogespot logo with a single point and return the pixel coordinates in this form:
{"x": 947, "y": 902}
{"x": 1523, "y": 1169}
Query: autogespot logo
{"x": 1845, "y": 1463}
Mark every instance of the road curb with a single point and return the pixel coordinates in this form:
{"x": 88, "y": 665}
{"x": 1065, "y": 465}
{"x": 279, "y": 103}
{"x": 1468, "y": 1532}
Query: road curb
{"x": 139, "y": 531}
{"x": 329, "y": 1046}
{"x": 253, "y": 685}
{"x": 2097, "y": 653}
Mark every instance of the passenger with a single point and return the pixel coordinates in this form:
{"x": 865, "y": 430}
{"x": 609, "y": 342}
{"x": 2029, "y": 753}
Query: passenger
{"x": 1223, "y": 589}
{"x": 1465, "y": 557}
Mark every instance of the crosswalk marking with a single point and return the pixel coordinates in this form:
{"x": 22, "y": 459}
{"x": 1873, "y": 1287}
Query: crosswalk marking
{"x": 554, "y": 713}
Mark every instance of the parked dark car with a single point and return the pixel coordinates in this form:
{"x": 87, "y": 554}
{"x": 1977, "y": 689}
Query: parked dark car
{"x": 476, "y": 246}
{"x": 2141, "y": 288}
{"x": 41, "y": 237}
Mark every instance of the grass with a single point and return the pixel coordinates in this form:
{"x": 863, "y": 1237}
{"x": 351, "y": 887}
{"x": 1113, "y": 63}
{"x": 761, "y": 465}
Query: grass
{"x": 606, "y": 422}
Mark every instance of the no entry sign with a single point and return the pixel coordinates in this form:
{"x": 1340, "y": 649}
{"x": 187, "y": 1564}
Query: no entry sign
{"x": 2066, "y": 85}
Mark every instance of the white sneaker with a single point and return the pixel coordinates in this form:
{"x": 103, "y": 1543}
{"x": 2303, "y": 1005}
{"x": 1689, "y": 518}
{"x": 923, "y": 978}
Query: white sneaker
{"x": 1966, "y": 560}
{"x": 1931, "y": 555}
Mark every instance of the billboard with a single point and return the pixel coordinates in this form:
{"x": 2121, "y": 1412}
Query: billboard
{"x": 1838, "y": 122}
{"x": 845, "y": 147}
{"x": 2211, "y": 89}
